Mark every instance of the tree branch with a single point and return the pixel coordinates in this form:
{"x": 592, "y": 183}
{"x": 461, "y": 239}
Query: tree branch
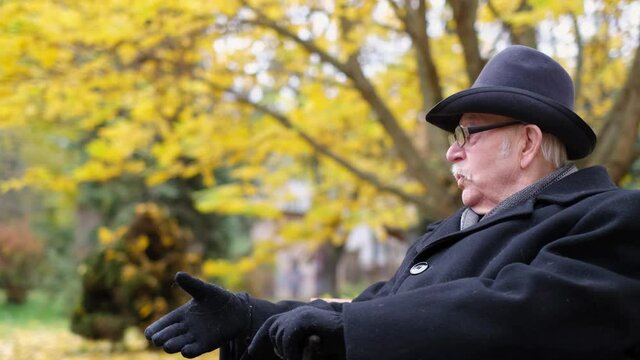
{"x": 413, "y": 18}
{"x": 415, "y": 24}
{"x": 523, "y": 36}
{"x": 416, "y": 164}
{"x": 577, "y": 75}
{"x": 618, "y": 138}
{"x": 324, "y": 150}
{"x": 464, "y": 13}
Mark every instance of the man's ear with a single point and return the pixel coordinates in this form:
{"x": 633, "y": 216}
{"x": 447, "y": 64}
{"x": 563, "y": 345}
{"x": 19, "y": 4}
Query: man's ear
{"x": 530, "y": 147}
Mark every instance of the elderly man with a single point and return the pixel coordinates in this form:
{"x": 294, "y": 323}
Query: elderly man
{"x": 540, "y": 263}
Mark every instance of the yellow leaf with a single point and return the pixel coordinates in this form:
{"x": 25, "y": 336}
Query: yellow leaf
{"x": 105, "y": 236}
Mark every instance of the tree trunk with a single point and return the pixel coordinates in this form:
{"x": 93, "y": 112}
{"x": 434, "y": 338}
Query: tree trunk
{"x": 326, "y": 277}
{"x": 617, "y": 148}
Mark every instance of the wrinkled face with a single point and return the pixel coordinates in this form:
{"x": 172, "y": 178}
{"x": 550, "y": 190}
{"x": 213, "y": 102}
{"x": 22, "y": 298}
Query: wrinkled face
{"x": 486, "y": 168}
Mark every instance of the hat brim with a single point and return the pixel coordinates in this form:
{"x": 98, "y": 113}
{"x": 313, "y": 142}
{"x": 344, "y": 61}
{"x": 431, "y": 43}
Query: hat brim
{"x": 549, "y": 115}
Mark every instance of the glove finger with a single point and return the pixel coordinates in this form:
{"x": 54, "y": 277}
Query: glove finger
{"x": 193, "y": 286}
{"x": 200, "y": 290}
{"x": 270, "y": 355}
{"x": 168, "y": 333}
{"x": 192, "y": 350}
{"x": 311, "y": 348}
{"x": 165, "y": 321}
{"x": 293, "y": 350}
{"x": 291, "y": 343}
{"x": 261, "y": 342}
{"x": 280, "y": 332}
{"x": 175, "y": 344}
{"x": 276, "y": 334}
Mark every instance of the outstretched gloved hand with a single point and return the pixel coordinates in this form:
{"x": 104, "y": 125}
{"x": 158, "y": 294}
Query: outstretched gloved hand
{"x": 288, "y": 333}
{"x": 213, "y": 317}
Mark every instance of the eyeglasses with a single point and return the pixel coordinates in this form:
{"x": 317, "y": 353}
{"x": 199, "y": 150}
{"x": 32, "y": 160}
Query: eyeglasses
{"x": 461, "y": 134}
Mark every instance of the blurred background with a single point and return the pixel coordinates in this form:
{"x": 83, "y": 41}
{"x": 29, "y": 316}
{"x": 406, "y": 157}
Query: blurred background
{"x": 275, "y": 147}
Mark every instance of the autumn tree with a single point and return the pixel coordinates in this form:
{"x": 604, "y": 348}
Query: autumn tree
{"x": 328, "y": 92}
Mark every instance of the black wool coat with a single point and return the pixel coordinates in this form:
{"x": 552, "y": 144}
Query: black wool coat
{"x": 557, "y": 277}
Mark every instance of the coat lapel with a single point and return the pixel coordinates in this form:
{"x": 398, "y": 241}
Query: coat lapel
{"x": 449, "y": 230}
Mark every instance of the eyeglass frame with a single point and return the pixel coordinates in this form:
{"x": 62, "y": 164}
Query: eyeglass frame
{"x": 466, "y": 131}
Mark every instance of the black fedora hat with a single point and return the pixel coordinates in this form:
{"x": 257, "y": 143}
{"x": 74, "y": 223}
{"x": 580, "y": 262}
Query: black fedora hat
{"x": 525, "y": 84}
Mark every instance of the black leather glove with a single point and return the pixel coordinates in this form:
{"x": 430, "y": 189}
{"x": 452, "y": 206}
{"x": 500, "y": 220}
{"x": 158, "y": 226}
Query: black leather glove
{"x": 213, "y": 317}
{"x": 288, "y": 333}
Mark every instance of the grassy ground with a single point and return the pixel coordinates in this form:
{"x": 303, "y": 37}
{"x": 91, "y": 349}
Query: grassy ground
{"x": 39, "y": 330}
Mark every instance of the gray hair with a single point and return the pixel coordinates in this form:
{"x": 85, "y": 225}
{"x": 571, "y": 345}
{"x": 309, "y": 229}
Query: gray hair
{"x": 553, "y": 150}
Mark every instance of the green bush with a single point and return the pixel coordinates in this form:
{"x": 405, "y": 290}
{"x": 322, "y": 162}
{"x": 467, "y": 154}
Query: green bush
{"x": 129, "y": 281}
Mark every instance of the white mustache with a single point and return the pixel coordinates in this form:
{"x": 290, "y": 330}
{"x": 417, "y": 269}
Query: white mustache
{"x": 458, "y": 171}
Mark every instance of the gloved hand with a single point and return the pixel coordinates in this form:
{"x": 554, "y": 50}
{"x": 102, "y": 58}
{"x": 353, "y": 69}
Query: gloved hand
{"x": 288, "y": 333}
{"x": 213, "y": 317}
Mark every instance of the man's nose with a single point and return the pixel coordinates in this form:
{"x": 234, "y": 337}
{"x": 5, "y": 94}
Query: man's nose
{"x": 455, "y": 153}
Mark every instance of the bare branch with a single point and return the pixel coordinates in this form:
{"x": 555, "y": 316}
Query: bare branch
{"x": 415, "y": 24}
{"x": 577, "y": 75}
{"x": 396, "y": 9}
{"x": 525, "y": 35}
{"x": 464, "y": 13}
{"x": 308, "y": 45}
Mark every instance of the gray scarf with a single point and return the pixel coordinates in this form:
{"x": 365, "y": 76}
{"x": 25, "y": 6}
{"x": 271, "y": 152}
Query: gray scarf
{"x": 469, "y": 217}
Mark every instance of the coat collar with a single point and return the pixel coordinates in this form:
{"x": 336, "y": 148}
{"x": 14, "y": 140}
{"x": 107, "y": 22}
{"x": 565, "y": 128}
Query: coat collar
{"x": 568, "y": 190}
{"x": 576, "y": 186}
{"x": 449, "y": 229}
